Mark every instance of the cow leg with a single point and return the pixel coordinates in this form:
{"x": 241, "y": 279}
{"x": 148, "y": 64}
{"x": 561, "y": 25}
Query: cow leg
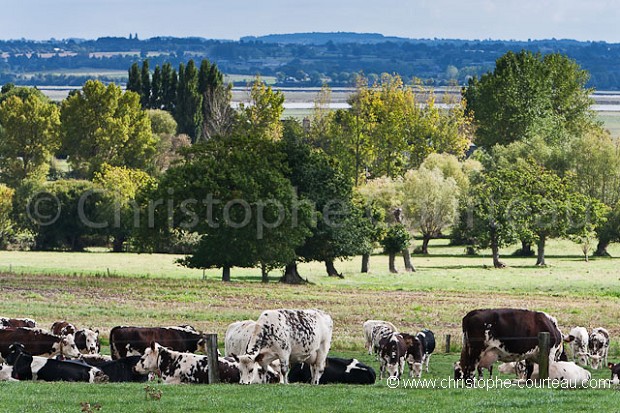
{"x": 529, "y": 369}
{"x": 427, "y": 358}
{"x": 284, "y": 371}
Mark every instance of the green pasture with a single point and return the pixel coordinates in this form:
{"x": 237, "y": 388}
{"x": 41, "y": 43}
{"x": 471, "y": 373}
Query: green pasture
{"x": 611, "y": 121}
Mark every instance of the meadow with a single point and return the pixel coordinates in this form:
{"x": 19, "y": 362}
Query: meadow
{"x": 101, "y": 289}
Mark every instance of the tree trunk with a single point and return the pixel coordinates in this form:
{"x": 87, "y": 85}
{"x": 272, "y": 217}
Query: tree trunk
{"x": 291, "y": 276}
{"x": 264, "y": 273}
{"x": 526, "y": 249}
{"x": 540, "y": 259}
{"x": 495, "y": 250}
{"x": 118, "y": 243}
{"x": 407, "y": 258}
{"x": 365, "y": 262}
{"x": 331, "y": 269}
{"x": 393, "y": 263}
{"x": 226, "y": 274}
{"x": 425, "y": 240}
{"x": 601, "y": 249}
{"x": 470, "y": 251}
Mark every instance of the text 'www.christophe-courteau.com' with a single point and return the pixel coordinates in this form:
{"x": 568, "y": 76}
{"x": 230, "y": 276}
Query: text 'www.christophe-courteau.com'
{"x": 496, "y": 383}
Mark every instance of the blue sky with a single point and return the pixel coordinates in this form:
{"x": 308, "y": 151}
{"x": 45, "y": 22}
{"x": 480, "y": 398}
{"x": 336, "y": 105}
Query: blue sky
{"x": 231, "y": 19}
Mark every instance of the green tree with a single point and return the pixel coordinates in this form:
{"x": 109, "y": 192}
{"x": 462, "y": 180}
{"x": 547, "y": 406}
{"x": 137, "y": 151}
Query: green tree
{"x": 188, "y": 108}
{"x": 101, "y": 124}
{"x": 169, "y": 83}
{"x": 6, "y": 211}
{"x": 29, "y": 137}
{"x": 396, "y": 239}
{"x": 145, "y": 93}
{"x": 157, "y": 90}
{"x": 134, "y": 81}
{"x": 264, "y": 111}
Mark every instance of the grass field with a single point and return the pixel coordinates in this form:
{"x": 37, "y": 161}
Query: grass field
{"x": 101, "y": 290}
{"x": 611, "y": 120}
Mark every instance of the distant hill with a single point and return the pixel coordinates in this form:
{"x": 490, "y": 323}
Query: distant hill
{"x": 323, "y": 38}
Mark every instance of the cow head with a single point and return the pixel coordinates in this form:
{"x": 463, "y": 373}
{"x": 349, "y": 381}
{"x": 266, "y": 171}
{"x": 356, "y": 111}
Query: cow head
{"x": 595, "y": 360}
{"x": 582, "y": 358}
{"x": 92, "y": 341}
{"x": 463, "y": 374}
{"x": 615, "y": 373}
{"x": 66, "y": 346}
{"x": 249, "y": 369}
{"x": 15, "y": 350}
{"x": 148, "y": 362}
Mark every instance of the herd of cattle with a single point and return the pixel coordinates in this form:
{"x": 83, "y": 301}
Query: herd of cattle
{"x": 284, "y": 346}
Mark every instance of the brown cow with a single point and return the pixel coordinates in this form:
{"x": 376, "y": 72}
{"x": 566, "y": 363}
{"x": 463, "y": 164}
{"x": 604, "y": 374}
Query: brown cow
{"x": 133, "y": 341}
{"x": 37, "y": 342}
{"x": 17, "y": 322}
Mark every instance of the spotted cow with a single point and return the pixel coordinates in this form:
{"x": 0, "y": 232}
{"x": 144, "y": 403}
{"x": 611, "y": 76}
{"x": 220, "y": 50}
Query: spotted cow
{"x": 427, "y": 339}
{"x": 379, "y": 332}
{"x": 289, "y": 336}
{"x": 369, "y": 325}
{"x": 598, "y": 347}
{"x": 37, "y": 342}
{"x": 133, "y": 341}
{"x": 337, "y": 370}
{"x": 578, "y": 341}
{"x": 392, "y": 355}
{"x": 504, "y": 334}
{"x": 86, "y": 339}
{"x": 238, "y": 336}
{"x": 17, "y": 322}
{"x": 414, "y": 354}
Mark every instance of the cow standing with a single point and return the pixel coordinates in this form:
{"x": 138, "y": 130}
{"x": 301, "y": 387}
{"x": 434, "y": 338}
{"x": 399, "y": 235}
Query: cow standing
{"x": 133, "y": 341}
{"x": 414, "y": 354}
{"x": 6, "y": 322}
{"x": 393, "y": 351}
{"x": 37, "y": 342}
{"x": 337, "y": 370}
{"x": 289, "y": 336}
{"x": 369, "y": 325}
{"x": 615, "y": 372}
{"x": 238, "y": 335}
{"x": 599, "y": 347}
{"x": 504, "y": 334}
{"x": 427, "y": 338}
{"x": 578, "y": 340}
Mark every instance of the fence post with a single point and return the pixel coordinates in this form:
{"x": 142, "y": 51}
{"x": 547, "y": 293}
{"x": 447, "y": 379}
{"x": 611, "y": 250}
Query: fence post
{"x": 214, "y": 370}
{"x": 543, "y": 355}
{"x": 448, "y": 337}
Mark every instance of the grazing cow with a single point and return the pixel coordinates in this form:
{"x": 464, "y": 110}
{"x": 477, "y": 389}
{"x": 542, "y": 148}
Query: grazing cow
{"x": 133, "y": 341}
{"x": 615, "y": 372}
{"x": 290, "y": 336}
{"x": 414, "y": 355}
{"x": 17, "y": 322}
{"x": 369, "y": 325}
{"x": 504, "y": 334}
{"x": 27, "y": 367}
{"x": 379, "y": 332}
{"x": 238, "y": 336}
{"x": 599, "y": 347}
{"x": 427, "y": 338}
{"x": 37, "y": 342}
{"x": 565, "y": 371}
{"x": 337, "y": 370}
{"x": 393, "y": 352}
{"x": 578, "y": 339}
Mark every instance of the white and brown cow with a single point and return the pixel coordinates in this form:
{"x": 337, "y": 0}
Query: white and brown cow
{"x": 504, "y": 334}
{"x": 86, "y": 339}
{"x": 37, "y": 342}
{"x": 564, "y": 371}
{"x": 6, "y": 322}
{"x": 238, "y": 335}
{"x": 578, "y": 339}
{"x": 133, "y": 341}
{"x": 414, "y": 355}
{"x": 289, "y": 336}
{"x": 599, "y": 347}
{"x": 369, "y": 325}
{"x": 392, "y": 355}
{"x": 379, "y": 332}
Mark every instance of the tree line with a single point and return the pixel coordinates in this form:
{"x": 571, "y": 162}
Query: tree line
{"x": 248, "y": 189}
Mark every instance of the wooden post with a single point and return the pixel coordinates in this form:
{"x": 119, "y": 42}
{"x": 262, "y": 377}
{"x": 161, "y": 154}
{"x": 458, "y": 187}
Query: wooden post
{"x": 448, "y": 343}
{"x": 214, "y": 370}
{"x": 543, "y": 355}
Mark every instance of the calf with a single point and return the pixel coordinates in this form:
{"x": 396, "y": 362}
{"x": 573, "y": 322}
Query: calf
{"x": 393, "y": 352}
{"x": 17, "y": 322}
{"x": 599, "y": 347}
{"x": 369, "y": 325}
{"x": 290, "y": 336}
{"x": 578, "y": 339}
{"x": 27, "y": 367}
{"x": 337, "y": 370}
{"x": 37, "y": 342}
{"x": 379, "y": 332}
{"x": 565, "y": 371}
{"x": 414, "y": 355}
{"x": 133, "y": 341}
{"x": 427, "y": 338}
{"x": 615, "y": 372}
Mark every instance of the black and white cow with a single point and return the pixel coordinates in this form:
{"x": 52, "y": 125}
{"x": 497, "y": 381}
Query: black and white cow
{"x": 27, "y": 367}
{"x": 504, "y": 334}
{"x": 6, "y": 322}
{"x": 133, "y": 341}
{"x": 86, "y": 339}
{"x": 392, "y": 355}
{"x": 289, "y": 336}
{"x": 37, "y": 342}
{"x": 615, "y": 372}
{"x": 427, "y": 338}
{"x": 337, "y": 370}
{"x": 369, "y": 325}
{"x": 379, "y": 332}
{"x": 599, "y": 347}
{"x": 121, "y": 370}
{"x": 578, "y": 340}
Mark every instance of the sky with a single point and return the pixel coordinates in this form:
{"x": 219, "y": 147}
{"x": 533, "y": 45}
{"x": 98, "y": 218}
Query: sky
{"x": 231, "y": 19}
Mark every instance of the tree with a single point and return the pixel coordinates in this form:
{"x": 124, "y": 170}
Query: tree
{"x": 188, "y": 108}
{"x": 6, "y": 209}
{"x": 145, "y": 93}
{"x": 264, "y": 111}
{"x": 29, "y": 137}
{"x": 430, "y": 202}
{"x": 395, "y": 240}
{"x": 157, "y": 90}
{"x": 134, "y": 81}
{"x": 169, "y": 82}
{"x": 101, "y": 124}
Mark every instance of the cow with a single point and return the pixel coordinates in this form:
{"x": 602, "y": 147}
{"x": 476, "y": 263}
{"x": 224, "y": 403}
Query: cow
{"x": 598, "y": 347}
{"x": 86, "y": 340}
{"x": 564, "y": 371}
{"x": 17, "y": 322}
{"x": 288, "y": 336}
{"x": 615, "y": 372}
{"x": 578, "y": 340}
{"x": 380, "y": 332}
{"x": 238, "y": 336}
{"x": 505, "y": 334}
{"x": 427, "y": 338}
{"x": 37, "y": 342}
{"x": 508, "y": 368}
{"x": 368, "y": 328}
{"x": 121, "y": 370}
{"x": 133, "y": 341}
{"x": 392, "y": 353}
{"x": 62, "y": 328}
{"x": 337, "y": 370}
{"x": 414, "y": 354}
{"x": 27, "y": 367}
{"x": 175, "y": 367}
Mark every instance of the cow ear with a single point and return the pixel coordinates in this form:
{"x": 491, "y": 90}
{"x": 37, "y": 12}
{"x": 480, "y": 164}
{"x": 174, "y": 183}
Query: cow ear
{"x": 259, "y": 358}
{"x": 234, "y": 356}
{"x": 153, "y": 345}
{"x": 610, "y": 365}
